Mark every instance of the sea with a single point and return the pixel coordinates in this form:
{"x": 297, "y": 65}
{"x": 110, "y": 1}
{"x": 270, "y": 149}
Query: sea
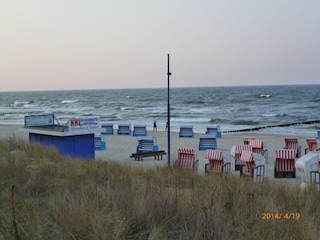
{"x": 287, "y": 109}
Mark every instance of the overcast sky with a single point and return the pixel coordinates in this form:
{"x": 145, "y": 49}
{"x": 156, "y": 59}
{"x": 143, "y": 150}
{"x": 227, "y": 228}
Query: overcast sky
{"x": 101, "y": 44}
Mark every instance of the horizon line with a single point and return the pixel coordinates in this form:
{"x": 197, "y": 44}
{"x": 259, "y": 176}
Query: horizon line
{"x": 137, "y": 88}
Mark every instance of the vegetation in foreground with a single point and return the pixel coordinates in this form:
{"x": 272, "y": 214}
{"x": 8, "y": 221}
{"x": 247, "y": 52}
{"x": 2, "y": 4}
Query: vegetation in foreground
{"x": 46, "y": 196}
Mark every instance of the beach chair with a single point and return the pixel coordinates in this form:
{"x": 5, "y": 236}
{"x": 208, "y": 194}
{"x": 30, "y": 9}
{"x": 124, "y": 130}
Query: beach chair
{"x": 305, "y": 165}
{"x": 285, "y": 163}
{"x": 107, "y": 128}
{"x": 255, "y": 172}
{"x": 312, "y": 145}
{"x": 215, "y": 130}
{"x": 186, "y": 131}
{"x": 147, "y": 144}
{"x": 99, "y": 143}
{"x": 258, "y": 147}
{"x": 140, "y": 130}
{"x": 124, "y": 129}
{"x": 292, "y": 143}
{"x": 216, "y": 164}
{"x": 246, "y": 140}
{"x": 235, "y": 156}
{"x": 186, "y": 159}
{"x": 207, "y": 142}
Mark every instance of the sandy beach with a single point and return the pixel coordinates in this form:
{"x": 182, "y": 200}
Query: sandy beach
{"x": 120, "y": 147}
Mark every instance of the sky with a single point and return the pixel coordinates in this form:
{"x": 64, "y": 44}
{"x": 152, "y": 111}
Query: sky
{"x": 103, "y": 44}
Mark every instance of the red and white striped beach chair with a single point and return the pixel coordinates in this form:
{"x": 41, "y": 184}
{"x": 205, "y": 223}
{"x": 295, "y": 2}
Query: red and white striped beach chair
{"x": 292, "y": 143}
{"x": 246, "y": 140}
{"x": 187, "y": 159}
{"x": 216, "y": 162}
{"x": 236, "y": 156}
{"x": 258, "y": 147}
{"x": 256, "y": 172}
{"x": 284, "y": 164}
{"x": 312, "y": 145}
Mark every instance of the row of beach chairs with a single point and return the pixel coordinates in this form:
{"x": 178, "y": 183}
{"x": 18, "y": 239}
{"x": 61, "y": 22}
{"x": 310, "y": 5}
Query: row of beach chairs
{"x": 185, "y": 131}
{"x": 250, "y": 159}
{"x": 124, "y": 129}
{"x": 206, "y": 141}
{"x": 243, "y": 157}
{"x": 284, "y": 158}
{"x": 217, "y": 163}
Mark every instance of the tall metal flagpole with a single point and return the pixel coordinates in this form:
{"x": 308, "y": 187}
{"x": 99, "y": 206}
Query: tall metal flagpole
{"x": 168, "y": 121}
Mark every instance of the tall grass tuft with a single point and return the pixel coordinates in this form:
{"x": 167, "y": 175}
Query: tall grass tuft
{"x": 56, "y": 197}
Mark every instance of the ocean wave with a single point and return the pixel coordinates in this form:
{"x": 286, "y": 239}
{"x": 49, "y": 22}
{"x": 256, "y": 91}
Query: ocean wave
{"x": 216, "y": 120}
{"x": 20, "y": 113}
{"x": 127, "y": 108}
{"x": 18, "y": 104}
{"x": 268, "y": 115}
{"x": 282, "y": 115}
{"x": 245, "y": 122}
{"x": 193, "y": 102}
{"x": 10, "y": 116}
{"x": 29, "y": 105}
{"x": 110, "y": 118}
{"x": 263, "y": 95}
{"x": 243, "y": 109}
{"x": 158, "y": 115}
{"x": 315, "y": 100}
{"x": 69, "y": 101}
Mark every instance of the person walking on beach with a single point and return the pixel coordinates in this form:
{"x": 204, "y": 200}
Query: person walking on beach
{"x": 155, "y": 126}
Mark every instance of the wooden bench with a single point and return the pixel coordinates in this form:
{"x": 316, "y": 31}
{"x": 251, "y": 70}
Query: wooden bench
{"x": 157, "y": 155}
{"x": 186, "y": 131}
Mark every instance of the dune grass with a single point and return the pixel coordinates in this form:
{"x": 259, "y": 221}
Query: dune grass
{"x": 46, "y": 196}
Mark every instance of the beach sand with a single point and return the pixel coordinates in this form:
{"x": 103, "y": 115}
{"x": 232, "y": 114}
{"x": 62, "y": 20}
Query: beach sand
{"x": 120, "y": 147}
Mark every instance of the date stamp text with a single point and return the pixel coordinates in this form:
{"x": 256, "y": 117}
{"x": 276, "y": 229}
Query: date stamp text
{"x": 271, "y": 215}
